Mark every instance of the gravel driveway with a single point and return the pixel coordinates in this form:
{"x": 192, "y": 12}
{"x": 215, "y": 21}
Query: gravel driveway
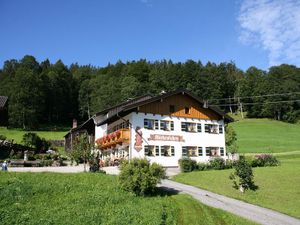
{"x": 252, "y": 212}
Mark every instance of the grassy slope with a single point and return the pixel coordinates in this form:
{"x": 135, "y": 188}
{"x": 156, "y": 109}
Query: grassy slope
{"x": 85, "y": 198}
{"x": 279, "y": 187}
{"x": 264, "y": 135}
{"x": 17, "y": 134}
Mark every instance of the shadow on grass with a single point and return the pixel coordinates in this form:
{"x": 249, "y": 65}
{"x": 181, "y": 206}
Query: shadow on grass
{"x": 163, "y": 191}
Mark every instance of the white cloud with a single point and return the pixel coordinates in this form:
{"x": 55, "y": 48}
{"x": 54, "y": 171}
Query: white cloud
{"x": 146, "y": 2}
{"x": 275, "y": 26}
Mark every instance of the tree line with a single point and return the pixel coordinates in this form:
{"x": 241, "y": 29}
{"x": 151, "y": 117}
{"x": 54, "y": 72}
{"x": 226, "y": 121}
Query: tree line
{"x": 46, "y": 93}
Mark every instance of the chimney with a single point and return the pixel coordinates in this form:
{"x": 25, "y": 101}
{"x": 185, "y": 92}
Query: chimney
{"x": 74, "y": 123}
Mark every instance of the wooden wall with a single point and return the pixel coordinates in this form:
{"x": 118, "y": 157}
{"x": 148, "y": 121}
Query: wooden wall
{"x": 180, "y": 102}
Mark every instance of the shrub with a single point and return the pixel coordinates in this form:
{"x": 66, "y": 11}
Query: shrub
{"x": 203, "y": 166}
{"x": 264, "y": 160}
{"x": 229, "y": 164}
{"x": 94, "y": 165}
{"x": 139, "y": 176}
{"x": 46, "y": 163}
{"x": 187, "y": 164}
{"x": 243, "y": 176}
{"x": 217, "y": 163}
{"x": 34, "y": 141}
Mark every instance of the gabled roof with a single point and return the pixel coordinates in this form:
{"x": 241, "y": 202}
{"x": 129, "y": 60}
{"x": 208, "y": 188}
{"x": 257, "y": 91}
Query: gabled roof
{"x": 3, "y": 100}
{"x": 109, "y": 113}
{"x": 115, "y": 110}
{"x": 127, "y": 108}
{"x": 113, "y": 113}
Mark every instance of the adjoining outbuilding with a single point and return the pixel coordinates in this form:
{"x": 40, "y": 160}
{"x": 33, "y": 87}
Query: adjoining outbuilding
{"x": 3, "y": 111}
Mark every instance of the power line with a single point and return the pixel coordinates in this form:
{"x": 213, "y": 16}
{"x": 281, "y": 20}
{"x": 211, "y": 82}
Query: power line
{"x": 257, "y": 103}
{"x": 254, "y": 96}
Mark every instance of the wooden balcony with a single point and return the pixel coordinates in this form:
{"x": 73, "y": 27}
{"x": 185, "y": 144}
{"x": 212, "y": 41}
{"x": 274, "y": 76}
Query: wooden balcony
{"x": 121, "y": 136}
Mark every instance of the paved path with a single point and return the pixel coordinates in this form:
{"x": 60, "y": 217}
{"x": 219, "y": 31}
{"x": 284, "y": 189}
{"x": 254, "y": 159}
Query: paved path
{"x": 252, "y": 212}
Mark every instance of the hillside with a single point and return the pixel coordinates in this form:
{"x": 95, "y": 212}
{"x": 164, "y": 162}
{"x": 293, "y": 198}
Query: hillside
{"x": 265, "y": 135}
{"x": 17, "y": 134}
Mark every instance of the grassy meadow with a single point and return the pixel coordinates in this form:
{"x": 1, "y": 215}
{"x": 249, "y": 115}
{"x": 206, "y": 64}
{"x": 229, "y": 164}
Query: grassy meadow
{"x": 86, "y": 198}
{"x": 279, "y": 187}
{"x": 266, "y": 136}
{"x": 17, "y": 134}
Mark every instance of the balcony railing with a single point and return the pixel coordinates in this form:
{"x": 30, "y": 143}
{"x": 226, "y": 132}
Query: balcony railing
{"x": 121, "y": 136}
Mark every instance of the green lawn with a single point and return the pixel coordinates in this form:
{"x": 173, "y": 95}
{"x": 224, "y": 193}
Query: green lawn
{"x": 17, "y": 134}
{"x": 49, "y": 198}
{"x": 279, "y": 187}
{"x": 264, "y": 135}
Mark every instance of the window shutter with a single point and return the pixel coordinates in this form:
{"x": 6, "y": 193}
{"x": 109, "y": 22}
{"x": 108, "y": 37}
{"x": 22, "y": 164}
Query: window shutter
{"x": 207, "y": 128}
{"x": 222, "y": 151}
{"x": 183, "y": 126}
{"x": 207, "y": 153}
{"x": 172, "y": 125}
{"x": 199, "y": 127}
{"x": 146, "y": 123}
{"x": 172, "y": 151}
{"x": 200, "y": 151}
{"x": 156, "y": 125}
{"x": 162, "y": 125}
{"x": 157, "y": 150}
{"x": 184, "y": 151}
{"x": 162, "y": 150}
{"x": 146, "y": 149}
{"x": 220, "y": 129}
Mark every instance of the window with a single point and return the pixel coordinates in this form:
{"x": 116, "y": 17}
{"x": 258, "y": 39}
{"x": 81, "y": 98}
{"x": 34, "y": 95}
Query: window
{"x": 212, "y": 151}
{"x": 150, "y": 124}
{"x": 172, "y": 108}
{"x": 211, "y": 128}
{"x": 200, "y": 153}
{"x": 222, "y": 151}
{"x": 187, "y": 110}
{"x": 149, "y": 150}
{"x": 189, "y": 127}
{"x": 166, "y": 125}
{"x": 167, "y": 150}
{"x": 220, "y": 129}
{"x": 190, "y": 151}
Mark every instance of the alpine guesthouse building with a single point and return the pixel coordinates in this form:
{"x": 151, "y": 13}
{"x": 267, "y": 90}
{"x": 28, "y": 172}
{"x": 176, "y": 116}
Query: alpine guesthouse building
{"x": 162, "y": 129}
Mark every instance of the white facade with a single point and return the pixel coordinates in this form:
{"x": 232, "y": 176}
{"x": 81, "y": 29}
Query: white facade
{"x": 170, "y": 145}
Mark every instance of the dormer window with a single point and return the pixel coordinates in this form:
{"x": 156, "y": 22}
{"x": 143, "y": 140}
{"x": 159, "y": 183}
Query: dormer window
{"x": 172, "y": 108}
{"x": 187, "y": 110}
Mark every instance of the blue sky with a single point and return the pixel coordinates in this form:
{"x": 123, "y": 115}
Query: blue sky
{"x": 248, "y": 32}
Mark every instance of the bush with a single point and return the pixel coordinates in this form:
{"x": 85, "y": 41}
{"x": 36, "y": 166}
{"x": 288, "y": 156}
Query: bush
{"x": 44, "y": 163}
{"x": 243, "y": 176}
{"x": 94, "y": 165}
{"x": 229, "y": 164}
{"x": 203, "y": 166}
{"x": 217, "y": 164}
{"x": 140, "y": 177}
{"x": 187, "y": 165}
{"x": 32, "y": 140}
{"x": 264, "y": 160}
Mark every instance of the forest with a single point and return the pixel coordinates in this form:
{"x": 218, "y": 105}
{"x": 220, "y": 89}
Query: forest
{"x": 54, "y": 93}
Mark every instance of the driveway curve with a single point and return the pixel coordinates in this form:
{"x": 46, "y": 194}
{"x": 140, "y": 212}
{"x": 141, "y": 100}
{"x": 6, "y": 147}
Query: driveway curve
{"x": 252, "y": 212}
